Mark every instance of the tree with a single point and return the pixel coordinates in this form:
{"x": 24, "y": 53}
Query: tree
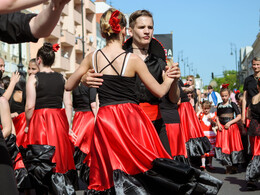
{"x": 229, "y": 77}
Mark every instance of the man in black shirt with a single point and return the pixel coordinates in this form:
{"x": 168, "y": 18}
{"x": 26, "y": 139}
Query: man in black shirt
{"x": 250, "y": 87}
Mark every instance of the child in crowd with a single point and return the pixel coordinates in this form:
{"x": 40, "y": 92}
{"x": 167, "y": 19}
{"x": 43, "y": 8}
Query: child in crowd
{"x": 229, "y": 148}
{"x": 208, "y": 123}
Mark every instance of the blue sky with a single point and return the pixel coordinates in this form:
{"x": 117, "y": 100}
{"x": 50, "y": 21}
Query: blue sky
{"x": 202, "y": 29}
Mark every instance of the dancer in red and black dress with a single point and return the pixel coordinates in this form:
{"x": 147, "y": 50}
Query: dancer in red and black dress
{"x": 229, "y": 147}
{"x": 126, "y": 155}
{"x": 84, "y": 104}
{"x": 253, "y": 168}
{"x": 49, "y": 153}
{"x": 171, "y": 118}
{"x": 197, "y": 143}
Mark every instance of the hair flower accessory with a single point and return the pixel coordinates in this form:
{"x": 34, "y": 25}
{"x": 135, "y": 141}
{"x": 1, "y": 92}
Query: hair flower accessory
{"x": 225, "y": 85}
{"x": 55, "y": 47}
{"x": 114, "y": 22}
{"x": 236, "y": 91}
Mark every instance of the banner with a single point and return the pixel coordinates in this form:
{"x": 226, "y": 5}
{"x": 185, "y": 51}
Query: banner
{"x": 166, "y": 41}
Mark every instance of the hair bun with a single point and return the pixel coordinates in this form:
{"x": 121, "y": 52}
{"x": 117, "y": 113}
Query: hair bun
{"x": 47, "y": 46}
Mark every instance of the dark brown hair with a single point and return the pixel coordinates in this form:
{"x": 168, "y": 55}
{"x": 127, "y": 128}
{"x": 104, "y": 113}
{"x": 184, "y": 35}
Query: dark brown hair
{"x": 138, "y": 14}
{"x": 47, "y": 54}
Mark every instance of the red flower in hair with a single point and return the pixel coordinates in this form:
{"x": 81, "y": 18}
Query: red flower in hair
{"x": 237, "y": 91}
{"x": 225, "y": 85}
{"x": 114, "y": 22}
{"x": 55, "y": 47}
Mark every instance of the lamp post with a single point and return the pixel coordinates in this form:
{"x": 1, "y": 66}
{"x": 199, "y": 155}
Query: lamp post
{"x": 83, "y": 37}
{"x": 234, "y": 47}
{"x": 20, "y": 64}
{"x": 180, "y": 57}
{"x": 186, "y": 63}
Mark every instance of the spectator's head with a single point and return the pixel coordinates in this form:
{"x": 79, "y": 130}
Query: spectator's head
{"x": 6, "y": 81}
{"x": 190, "y": 80}
{"x": 210, "y": 89}
{"x": 2, "y": 66}
{"x": 46, "y": 54}
{"x": 32, "y": 67}
{"x": 141, "y": 27}
{"x": 256, "y": 65}
{"x": 239, "y": 98}
{"x": 112, "y": 24}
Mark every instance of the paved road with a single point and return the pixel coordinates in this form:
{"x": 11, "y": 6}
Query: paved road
{"x": 234, "y": 184}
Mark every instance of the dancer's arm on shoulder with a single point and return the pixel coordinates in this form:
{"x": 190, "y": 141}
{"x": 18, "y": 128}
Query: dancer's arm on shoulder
{"x": 140, "y": 68}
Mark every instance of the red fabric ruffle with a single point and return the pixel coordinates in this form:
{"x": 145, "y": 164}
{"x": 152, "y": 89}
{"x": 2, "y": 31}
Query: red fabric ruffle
{"x": 176, "y": 140}
{"x": 190, "y": 124}
{"x": 83, "y": 127}
{"x": 124, "y": 138}
{"x": 51, "y": 127}
{"x": 229, "y": 140}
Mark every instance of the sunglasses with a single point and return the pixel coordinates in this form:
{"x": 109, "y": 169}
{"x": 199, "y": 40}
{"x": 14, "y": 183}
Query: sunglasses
{"x": 190, "y": 80}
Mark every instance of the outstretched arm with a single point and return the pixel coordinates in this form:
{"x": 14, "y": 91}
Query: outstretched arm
{"x": 43, "y": 24}
{"x": 8, "y": 6}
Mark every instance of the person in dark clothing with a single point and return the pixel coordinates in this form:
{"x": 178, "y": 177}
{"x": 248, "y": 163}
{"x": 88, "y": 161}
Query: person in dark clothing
{"x": 250, "y": 89}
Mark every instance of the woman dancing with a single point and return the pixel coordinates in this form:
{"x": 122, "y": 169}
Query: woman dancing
{"x": 126, "y": 155}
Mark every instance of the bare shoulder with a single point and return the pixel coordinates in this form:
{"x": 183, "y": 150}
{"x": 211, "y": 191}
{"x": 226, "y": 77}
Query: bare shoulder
{"x": 135, "y": 59}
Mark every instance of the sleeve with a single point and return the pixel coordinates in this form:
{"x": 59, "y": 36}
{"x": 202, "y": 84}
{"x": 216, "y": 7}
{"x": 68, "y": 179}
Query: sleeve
{"x": 92, "y": 94}
{"x": 15, "y": 28}
{"x": 236, "y": 109}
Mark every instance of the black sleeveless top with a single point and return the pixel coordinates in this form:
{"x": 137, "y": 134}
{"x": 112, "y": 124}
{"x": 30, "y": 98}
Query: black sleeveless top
{"x": 15, "y": 106}
{"x": 116, "y": 89}
{"x": 49, "y": 90}
{"x": 82, "y": 97}
{"x": 224, "y": 109}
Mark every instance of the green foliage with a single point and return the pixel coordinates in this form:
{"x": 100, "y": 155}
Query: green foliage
{"x": 197, "y": 76}
{"x": 230, "y": 77}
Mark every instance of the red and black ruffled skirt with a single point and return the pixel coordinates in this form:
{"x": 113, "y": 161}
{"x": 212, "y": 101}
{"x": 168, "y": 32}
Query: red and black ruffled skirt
{"x": 83, "y": 127}
{"x": 253, "y": 168}
{"x": 21, "y": 174}
{"x": 127, "y": 157}
{"x": 197, "y": 143}
{"x": 49, "y": 153}
{"x": 229, "y": 147}
{"x": 177, "y": 142}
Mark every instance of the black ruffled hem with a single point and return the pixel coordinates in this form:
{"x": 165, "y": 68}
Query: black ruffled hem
{"x": 22, "y": 179}
{"x": 182, "y": 159}
{"x": 236, "y": 157}
{"x": 198, "y": 146}
{"x": 79, "y": 157}
{"x": 38, "y": 162}
{"x": 253, "y": 169}
{"x": 12, "y": 147}
{"x": 166, "y": 176}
